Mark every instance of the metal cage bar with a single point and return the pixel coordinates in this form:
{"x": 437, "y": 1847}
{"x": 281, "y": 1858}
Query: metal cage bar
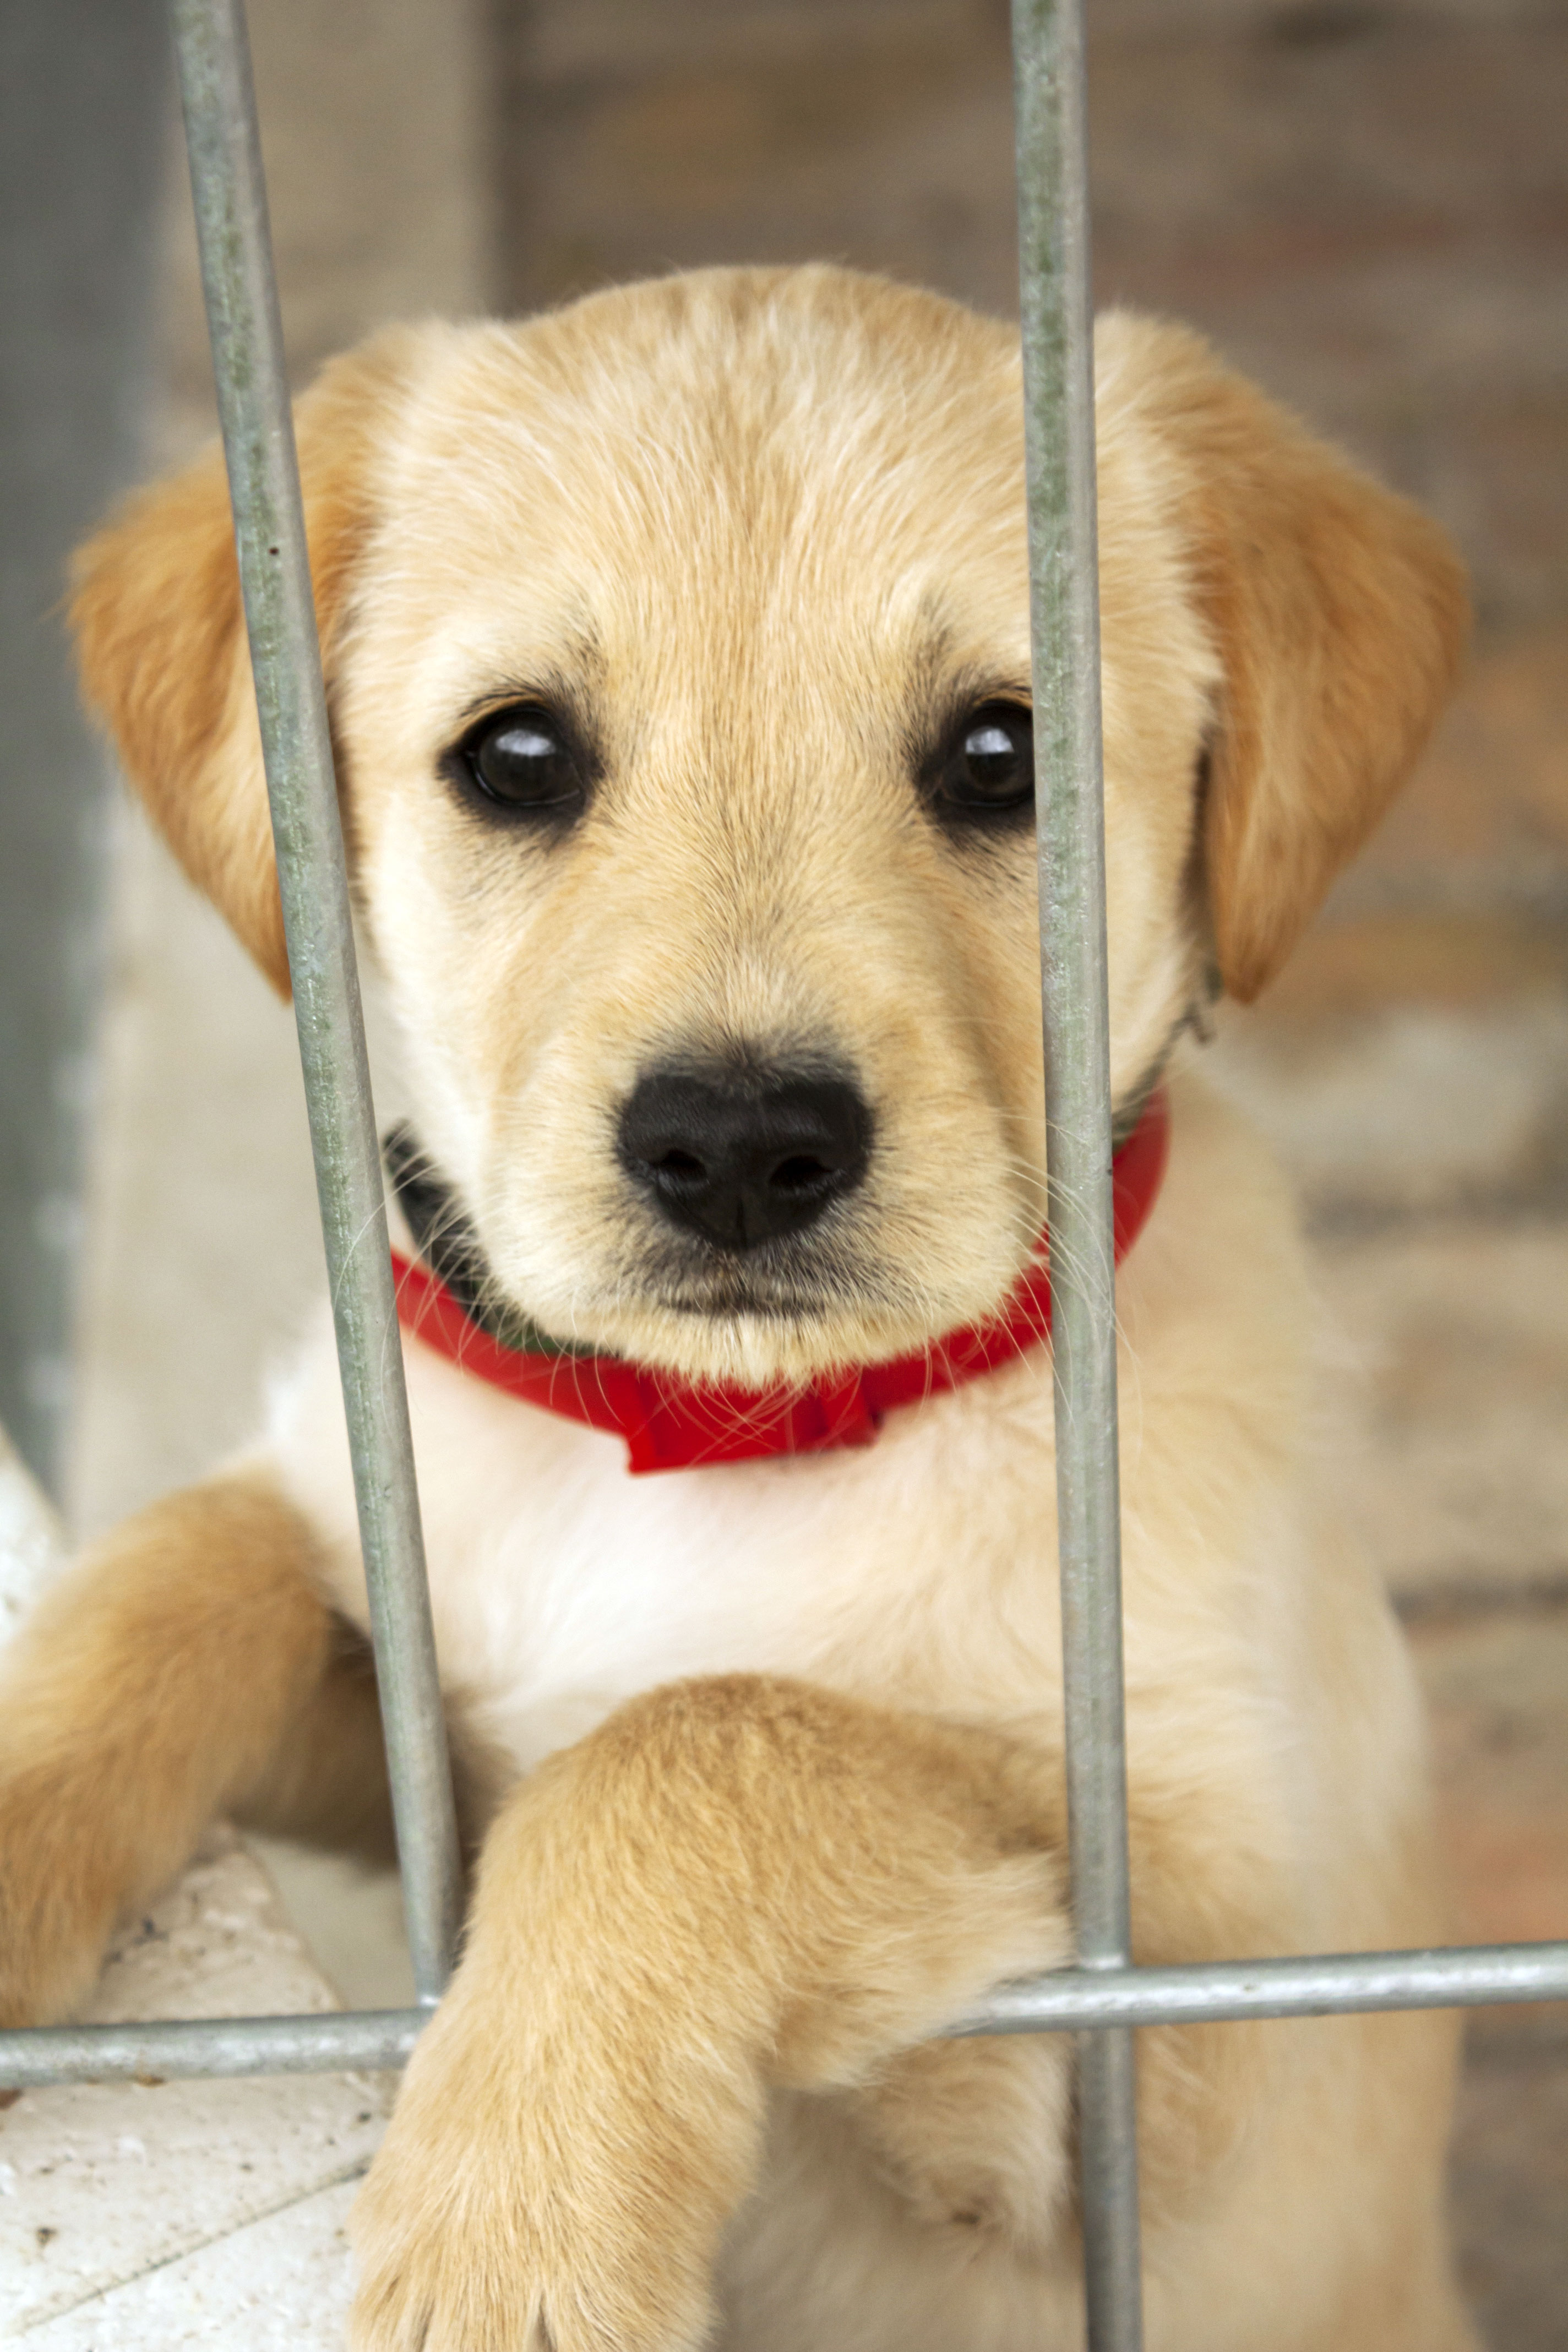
{"x": 230, "y": 193}
{"x": 1064, "y": 607}
{"x": 1103, "y": 1997}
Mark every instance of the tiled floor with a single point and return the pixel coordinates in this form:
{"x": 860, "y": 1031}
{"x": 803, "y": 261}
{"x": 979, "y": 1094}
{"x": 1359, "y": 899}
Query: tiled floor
{"x": 1367, "y": 205}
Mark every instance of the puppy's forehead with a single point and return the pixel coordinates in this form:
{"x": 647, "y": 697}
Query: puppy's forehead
{"x": 768, "y": 473}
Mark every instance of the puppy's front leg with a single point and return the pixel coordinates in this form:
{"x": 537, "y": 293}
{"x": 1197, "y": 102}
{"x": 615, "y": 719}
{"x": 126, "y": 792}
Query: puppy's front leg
{"x": 734, "y": 1884}
{"x": 187, "y": 1666}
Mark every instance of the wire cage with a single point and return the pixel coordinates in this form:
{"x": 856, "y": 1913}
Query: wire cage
{"x": 1103, "y": 1997}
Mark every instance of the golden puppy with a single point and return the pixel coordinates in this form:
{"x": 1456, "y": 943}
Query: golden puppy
{"x": 677, "y": 650}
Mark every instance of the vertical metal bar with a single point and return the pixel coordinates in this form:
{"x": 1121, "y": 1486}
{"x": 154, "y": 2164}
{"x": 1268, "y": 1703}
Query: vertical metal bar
{"x": 270, "y": 530}
{"x": 1059, "y": 398}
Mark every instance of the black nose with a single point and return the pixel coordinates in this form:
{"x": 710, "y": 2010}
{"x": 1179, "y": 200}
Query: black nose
{"x": 741, "y": 1156}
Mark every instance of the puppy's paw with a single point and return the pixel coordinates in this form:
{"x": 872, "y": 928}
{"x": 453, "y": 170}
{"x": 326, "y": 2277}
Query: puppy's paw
{"x": 527, "y": 2200}
{"x": 462, "y": 2249}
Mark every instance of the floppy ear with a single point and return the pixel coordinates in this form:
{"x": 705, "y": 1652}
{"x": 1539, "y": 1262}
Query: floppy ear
{"x": 160, "y": 633}
{"x": 1337, "y": 612}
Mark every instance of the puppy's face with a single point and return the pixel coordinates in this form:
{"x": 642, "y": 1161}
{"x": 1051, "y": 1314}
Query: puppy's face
{"x": 678, "y": 654}
{"x": 692, "y": 786}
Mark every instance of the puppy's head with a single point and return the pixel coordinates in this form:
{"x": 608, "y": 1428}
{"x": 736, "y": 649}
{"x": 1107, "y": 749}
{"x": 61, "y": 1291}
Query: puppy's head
{"x": 678, "y": 652}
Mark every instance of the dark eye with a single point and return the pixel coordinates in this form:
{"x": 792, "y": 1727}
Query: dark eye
{"x": 520, "y": 758}
{"x": 990, "y": 769}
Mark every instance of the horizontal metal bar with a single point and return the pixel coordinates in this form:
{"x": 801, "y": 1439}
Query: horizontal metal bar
{"x": 1462, "y": 1976}
{"x": 230, "y": 197}
{"x": 1066, "y": 2000}
{"x": 39, "y": 2055}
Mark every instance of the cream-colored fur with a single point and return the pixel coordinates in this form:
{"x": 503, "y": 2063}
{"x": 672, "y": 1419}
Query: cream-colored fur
{"x": 766, "y": 1759}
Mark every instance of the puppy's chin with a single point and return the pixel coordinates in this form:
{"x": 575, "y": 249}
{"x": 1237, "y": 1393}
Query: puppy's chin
{"x": 782, "y": 1317}
{"x": 754, "y": 1348}
{"x": 724, "y": 1330}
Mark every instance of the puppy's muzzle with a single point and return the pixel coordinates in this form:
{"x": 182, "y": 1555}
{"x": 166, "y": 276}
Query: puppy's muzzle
{"x": 744, "y": 1156}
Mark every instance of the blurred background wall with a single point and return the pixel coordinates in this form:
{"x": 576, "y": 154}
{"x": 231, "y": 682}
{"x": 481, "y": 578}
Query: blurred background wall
{"x": 81, "y": 88}
{"x": 1367, "y": 204}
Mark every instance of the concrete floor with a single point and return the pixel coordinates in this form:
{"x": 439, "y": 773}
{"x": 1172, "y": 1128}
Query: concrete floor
{"x": 1365, "y": 205}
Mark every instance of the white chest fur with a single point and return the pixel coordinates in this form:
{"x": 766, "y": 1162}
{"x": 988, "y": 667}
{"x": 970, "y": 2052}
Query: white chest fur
{"x": 917, "y": 1570}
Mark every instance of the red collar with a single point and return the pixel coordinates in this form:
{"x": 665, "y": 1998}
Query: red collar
{"x": 670, "y": 1423}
